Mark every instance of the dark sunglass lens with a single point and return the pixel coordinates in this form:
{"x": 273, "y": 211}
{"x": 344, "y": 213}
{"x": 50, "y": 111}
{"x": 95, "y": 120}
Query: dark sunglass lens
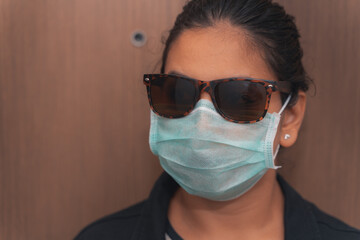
{"x": 241, "y": 100}
{"x": 172, "y": 96}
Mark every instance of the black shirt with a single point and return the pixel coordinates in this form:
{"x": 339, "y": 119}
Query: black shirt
{"x": 148, "y": 219}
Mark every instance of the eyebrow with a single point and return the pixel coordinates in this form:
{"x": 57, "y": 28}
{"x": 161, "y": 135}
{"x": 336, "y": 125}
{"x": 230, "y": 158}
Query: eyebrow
{"x": 173, "y": 72}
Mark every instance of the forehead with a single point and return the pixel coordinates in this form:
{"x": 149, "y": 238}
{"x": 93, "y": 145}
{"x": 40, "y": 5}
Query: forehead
{"x": 216, "y": 52}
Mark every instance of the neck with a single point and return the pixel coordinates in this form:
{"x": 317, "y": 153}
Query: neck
{"x": 253, "y": 212}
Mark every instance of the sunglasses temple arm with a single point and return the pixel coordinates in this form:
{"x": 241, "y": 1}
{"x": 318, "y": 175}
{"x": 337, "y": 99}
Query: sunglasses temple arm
{"x": 284, "y": 87}
{"x": 146, "y": 80}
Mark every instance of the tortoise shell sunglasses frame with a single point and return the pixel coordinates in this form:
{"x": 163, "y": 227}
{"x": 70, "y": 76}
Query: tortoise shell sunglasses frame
{"x": 209, "y": 86}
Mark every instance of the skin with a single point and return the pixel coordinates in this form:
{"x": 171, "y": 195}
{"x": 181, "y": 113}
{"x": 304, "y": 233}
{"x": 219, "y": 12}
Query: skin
{"x": 217, "y": 52}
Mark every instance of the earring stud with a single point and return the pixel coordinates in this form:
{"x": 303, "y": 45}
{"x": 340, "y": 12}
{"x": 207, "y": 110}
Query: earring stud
{"x": 287, "y": 136}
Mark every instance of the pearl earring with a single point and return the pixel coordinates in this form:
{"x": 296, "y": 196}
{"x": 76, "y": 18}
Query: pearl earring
{"x": 287, "y": 136}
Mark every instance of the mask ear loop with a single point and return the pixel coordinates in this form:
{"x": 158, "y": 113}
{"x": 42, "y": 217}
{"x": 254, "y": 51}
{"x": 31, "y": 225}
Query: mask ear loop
{"x": 278, "y": 146}
{"x": 285, "y": 104}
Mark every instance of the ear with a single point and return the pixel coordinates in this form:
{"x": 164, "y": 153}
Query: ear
{"x": 293, "y": 117}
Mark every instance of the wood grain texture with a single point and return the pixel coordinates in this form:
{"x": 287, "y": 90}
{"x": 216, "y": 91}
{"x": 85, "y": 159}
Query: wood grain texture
{"x": 74, "y": 112}
{"x": 324, "y": 165}
{"x": 74, "y": 117}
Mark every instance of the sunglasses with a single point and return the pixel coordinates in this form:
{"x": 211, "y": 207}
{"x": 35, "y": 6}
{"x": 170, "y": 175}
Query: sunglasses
{"x": 239, "y": 100}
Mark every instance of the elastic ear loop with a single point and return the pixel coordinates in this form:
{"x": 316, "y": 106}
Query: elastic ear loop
{"x": 285, "y": 104}
{"x": 278, "y": 146}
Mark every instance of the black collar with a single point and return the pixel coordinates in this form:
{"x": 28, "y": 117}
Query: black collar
{"x": 300, "y": 222}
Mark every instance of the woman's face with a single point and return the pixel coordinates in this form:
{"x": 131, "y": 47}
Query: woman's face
{"x": 219, "y": 52}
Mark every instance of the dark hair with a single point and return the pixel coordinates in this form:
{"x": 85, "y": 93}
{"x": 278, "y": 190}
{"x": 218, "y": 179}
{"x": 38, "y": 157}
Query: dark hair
{"x": 270, "y": 28}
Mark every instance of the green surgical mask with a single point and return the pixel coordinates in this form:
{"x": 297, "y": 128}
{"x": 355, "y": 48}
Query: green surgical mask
{"x": 211, "y": 157}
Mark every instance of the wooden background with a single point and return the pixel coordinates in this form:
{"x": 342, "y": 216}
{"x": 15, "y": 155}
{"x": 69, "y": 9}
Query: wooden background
{"x": 74, "y": 116}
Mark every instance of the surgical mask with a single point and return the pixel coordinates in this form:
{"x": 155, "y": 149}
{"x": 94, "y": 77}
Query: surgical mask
{"x": 211, "y": 157}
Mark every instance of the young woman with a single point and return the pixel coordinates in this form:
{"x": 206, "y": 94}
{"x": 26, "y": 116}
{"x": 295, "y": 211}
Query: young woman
{"x": 230, "y": 93}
